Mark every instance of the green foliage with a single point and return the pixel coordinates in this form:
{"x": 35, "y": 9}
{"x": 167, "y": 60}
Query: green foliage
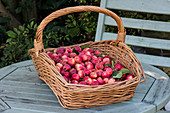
{"x": 17, "y": 45}
{"x": 3, "y": 29}
{"x": 51, "y": 4}
{"x": 66, "y": 30}
{"x": 119, "y": 74}
{"x": 21, "y": 40}
{"x": 84, "y": 46}
{"x": 4, "y": 20}
{"x": 3, "y": 33}
{"x": 81, "y": 27}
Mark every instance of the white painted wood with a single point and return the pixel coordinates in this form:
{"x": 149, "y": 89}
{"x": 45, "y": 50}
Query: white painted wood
{"x": 140, "y": 41}
{"x": 145, "y": 42}
{"x": 159, "y": 94}
{"x": 161, "y": 111}
{"x": 24, "y": 90}
{"x": 141, "y": 90}
{"x": 45, "y": 108}
{"x": 30, "y": 96}
{"x": 167, "y": 106}
{"x": 26, "y": 85}
{"x": 31, "y": 68}
{"x": 3, "y": 106}
{"x": 31, "y": 101}
{"x": 29, "y": 76}
{"x": 151, "y": 6}
{"x": 140, "y": 24}
{"x": 154, "y": 72}
{"x": 154, "y": 60}
{"x": 21, "y": 111}
{"x": 100, "y": 25}
{"x": 6, "y": 70}
{"x": 24, "y": 63}
{"x": 124, "y": 107}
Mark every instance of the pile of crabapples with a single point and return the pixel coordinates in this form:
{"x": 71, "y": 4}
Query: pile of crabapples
{"x": 82, "y": 65}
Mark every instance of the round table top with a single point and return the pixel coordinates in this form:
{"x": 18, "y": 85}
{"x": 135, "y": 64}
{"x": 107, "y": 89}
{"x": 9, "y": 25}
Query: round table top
{"x": 21, "y": 91}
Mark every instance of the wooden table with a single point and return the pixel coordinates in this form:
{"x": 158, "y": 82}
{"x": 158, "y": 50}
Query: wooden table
{"x": 21, "y": 91}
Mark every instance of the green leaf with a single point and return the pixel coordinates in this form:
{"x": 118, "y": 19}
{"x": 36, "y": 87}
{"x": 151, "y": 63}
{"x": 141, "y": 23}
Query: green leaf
{"x": 99, "y": 56}
{"x": 74, "y": 51}
{"x": 21, "y": 28}
{"x": 8, "y": 40}
{"x": 11, "y": 34}
{"x": 119, "y": 75}
{"x": 114, "y": 73}
{"x": 70, "y": 16}
{"x": 29, "y": 26}
{"x": 74, "y": 32}
{"x": 32, "y": 23}
{"x": 81, "y": 79}
{"x": 84, "y": 46}
{"x": 18, "y": 10}
{"x": 35, "y": 26}
{"x": 4, "y": 20}
{"x": 107, "y": 65}
{"x": 16, "y": 31}
{"x": 124, "y": 71}
{"x": 5, "y": 1}
{"x": 74, "y": 23}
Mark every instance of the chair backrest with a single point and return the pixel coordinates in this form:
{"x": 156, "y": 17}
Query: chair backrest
{"x": 144, "y": 6}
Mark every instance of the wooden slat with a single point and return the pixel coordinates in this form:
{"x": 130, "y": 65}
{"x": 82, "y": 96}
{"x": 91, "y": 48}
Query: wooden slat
{"x": 45, "y": 108}
{"x": 144, "y": 42}
{"x": 124, "y": 107}
{"x": 3, "y": 106}
{"x": 128, "y": 107}
{"x": 141, "y": 90}
{"x": 29, "y": 76}
{"x": 31, "y": 68}
{"x": 151, "y": 6}
{"x": 51, "y": 98}
{"x": 159, "y": 93}
{"x": 28, "y": 85}
{"x": 140, "y": 41}
{"x": 157, "y": 73}
{"x": 32, "y": 107}
{"x": 31, "y": 101}
{"x": 6, "y": 70}
{"x": 154, "y": 60}
{"x": 161, "y": 111}
{"x": 140, "y": 24}
{"x": 26, "y": 90}
{"x": 21, "y": 111}
{"x": 138, "y": 97}
{"x": 23, "y": 63}
{"x": 100, "y": 27}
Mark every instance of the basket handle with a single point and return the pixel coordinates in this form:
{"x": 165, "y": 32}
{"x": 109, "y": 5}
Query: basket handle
{"x": 38, "y": 45}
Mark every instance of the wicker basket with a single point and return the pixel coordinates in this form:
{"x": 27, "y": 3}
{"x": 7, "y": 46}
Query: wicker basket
{"x": 75, "y": 96}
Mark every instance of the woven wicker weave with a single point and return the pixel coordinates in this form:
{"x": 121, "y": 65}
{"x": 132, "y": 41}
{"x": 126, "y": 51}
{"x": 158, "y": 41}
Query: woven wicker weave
{"x": 74, "y": 96}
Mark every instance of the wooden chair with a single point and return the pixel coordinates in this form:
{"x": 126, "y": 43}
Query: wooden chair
{"x": 144, "y": 6}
